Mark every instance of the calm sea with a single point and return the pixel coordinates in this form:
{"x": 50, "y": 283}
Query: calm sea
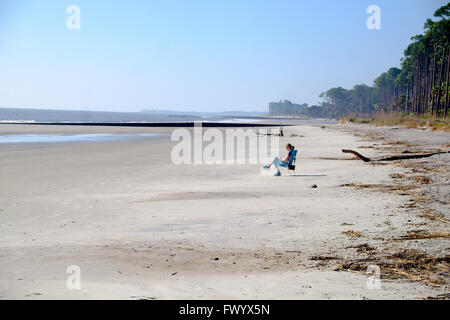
{"x": 40, "y": 115}
{"x": 37, "y": 115}
{"x": 10, "y": 115}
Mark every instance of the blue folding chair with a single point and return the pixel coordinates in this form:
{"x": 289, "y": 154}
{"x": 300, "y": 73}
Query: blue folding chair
{"x": 290, "y": 165}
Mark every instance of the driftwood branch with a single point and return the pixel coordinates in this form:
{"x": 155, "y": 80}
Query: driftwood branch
{"x": 357, "y": 154}
{"x": 392, "y": 158}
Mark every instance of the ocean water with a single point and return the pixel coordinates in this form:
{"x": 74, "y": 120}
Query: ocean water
{"x": 39, "y": 115}
{"x": 59, "y": 138}
{"x": 9, "y": 115}
{"x": 16, "y": 115}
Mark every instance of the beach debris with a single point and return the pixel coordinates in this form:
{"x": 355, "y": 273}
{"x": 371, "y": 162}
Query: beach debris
{"x": 143, "y": 298}
{"x": 216, "y": 259}
{"x": 352, "y": 233}
{"x": 442, "y": 296}
{"x": 174, "y": 273}
{"x": 34, "y": 294}
{"x": 393, "y": 158}
{"x": 279, "y": 134}
{"x": 421, "y": 235}
{"x": 362, "y": 248}
{"x": 433, "y": 215}
{"x": 314, "y": 186}
{"x": 399, "y": 189}
{"x": 323, "y": 258}
{"x": 422, "y": 179}
{"x": 374, "y": 163}
{"x": 407, "y": 264}
{"x": 396, "y": 176}
{"x": 423, "y": 167}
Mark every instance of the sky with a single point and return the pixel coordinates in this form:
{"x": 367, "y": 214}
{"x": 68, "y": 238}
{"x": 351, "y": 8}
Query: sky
{"x": 196, "y": 55}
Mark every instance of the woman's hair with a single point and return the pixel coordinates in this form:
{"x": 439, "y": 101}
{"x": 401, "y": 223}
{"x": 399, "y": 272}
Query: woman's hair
{"x": 290, "y": 146}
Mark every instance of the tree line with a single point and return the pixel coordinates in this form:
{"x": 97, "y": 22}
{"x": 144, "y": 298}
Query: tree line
{"x": 420, "y": 86}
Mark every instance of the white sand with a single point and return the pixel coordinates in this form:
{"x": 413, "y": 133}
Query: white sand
{"x": 141, "y": 227}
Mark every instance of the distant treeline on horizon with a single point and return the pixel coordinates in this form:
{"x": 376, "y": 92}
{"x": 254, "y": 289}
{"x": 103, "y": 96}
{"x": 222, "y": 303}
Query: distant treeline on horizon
{"x": 420, "y": 86}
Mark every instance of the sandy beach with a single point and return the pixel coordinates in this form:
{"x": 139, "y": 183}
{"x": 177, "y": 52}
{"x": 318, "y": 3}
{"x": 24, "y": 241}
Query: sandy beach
{"x": 140, "y": 227}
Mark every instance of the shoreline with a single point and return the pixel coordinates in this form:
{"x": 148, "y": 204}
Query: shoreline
{"x": 187, "y": 124}
{"x": 142, "y": 228}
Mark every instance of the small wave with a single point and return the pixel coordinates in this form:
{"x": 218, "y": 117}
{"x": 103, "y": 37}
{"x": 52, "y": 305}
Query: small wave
{"x": 17, "y": 121}
{"x": 59, "y": 138}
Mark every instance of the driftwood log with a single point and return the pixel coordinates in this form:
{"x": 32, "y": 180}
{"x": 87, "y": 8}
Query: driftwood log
{"x": 392, "y": 158}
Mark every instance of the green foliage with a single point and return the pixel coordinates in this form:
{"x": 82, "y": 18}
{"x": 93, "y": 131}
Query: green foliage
{"x": 443, "y": 12}
{"x": 418, "y": 87}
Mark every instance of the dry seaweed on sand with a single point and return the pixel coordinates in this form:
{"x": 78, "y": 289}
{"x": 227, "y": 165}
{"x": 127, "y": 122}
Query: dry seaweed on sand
{"x": 352, "y": 233}
{"x": 421, "y": 167}
{"x": 323, "y": 258}
{"x": 442, "y": 296}
{"x": 398, "y": 189}
{"x": 396, "y": 176}
{"x": 363, "y": 248}
{"x": 408, "y": 264}
{"x": 421, "y": 179}
{"x": 378, "y": 163}
{"x": 422, "y": 235}
{"x": 397, "y": 143}
{"x": 433, "y": 215}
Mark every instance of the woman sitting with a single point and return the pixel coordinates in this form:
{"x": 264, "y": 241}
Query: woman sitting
{"x": 279, "y": 162}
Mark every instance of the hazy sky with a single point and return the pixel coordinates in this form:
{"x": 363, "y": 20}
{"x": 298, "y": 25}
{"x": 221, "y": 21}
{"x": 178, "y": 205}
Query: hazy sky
{"x": 199, "y": 55}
